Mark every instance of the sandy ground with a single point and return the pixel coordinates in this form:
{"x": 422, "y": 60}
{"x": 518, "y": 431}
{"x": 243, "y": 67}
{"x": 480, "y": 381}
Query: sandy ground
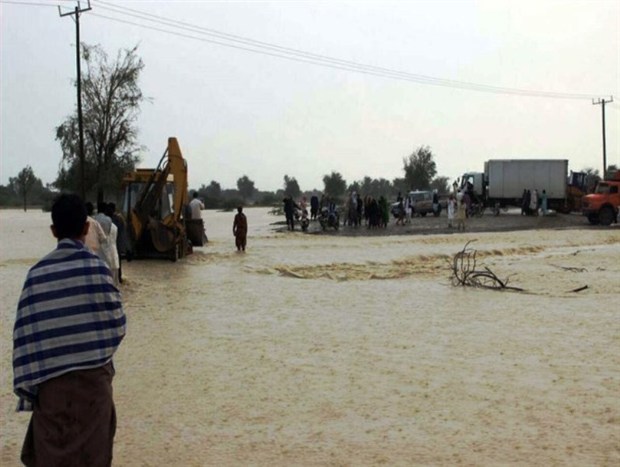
{"x": 356, "y": 349}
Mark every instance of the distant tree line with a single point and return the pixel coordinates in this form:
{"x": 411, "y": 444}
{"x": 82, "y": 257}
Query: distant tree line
{"x": 111, "y": 101}
{"x": 419, "y": 174}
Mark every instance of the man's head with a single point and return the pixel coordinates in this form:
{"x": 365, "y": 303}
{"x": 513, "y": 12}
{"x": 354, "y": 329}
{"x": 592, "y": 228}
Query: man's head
{"x": 69, "y": 217}
{"x": 239, "y": 209}
{"x": 90, "y": 208}
{"x": 195, "y": 194}
{"x": 109, "y": 209}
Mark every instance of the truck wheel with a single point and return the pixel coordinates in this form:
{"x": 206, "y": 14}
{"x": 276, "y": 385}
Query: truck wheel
{"x": 593, "y": 219}
{"x": 606, "y": 215}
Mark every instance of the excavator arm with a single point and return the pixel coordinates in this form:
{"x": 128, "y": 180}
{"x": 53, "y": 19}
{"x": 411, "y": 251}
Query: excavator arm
{"x": 155, "y": 215}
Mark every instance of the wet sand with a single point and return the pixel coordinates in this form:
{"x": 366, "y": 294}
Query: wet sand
{"x": 356, "y": 350}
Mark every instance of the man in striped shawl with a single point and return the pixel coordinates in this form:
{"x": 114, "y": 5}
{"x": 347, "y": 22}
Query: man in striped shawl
{"x": 69, "y": 323}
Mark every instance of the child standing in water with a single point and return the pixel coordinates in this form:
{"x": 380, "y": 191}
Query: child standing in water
{"x": 240, "y": 229}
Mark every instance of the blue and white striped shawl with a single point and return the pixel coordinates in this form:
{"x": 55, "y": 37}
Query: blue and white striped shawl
{"x": 69, "y": 317}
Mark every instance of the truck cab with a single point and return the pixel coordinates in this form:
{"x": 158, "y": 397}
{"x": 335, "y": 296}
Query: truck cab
{"x": 601, "y": 207}
{"x": 473, "y": 181}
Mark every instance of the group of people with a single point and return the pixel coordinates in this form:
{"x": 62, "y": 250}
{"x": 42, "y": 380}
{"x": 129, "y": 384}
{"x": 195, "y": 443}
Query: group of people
{"x": 107, "y": 237}
{"x": 532, "y": 203}
{"x": 368, "y": 211}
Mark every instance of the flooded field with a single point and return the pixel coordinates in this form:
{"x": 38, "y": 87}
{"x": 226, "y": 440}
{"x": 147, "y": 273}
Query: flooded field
{"x": 354, "y": 350}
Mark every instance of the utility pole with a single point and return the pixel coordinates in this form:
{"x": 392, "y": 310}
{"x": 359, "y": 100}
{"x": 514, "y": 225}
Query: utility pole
{"x": 76, "y": 11}
{"x": 602, "y": 103}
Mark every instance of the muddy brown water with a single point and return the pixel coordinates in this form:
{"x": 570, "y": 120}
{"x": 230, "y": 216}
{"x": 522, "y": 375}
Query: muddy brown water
{"x": 354, "y": 350}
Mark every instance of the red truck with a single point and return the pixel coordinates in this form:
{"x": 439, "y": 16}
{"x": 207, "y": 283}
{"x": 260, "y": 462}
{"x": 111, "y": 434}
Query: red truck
{"x": 602, "y": 206}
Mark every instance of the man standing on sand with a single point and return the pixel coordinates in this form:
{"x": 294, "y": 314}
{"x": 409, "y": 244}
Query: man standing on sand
{"x": 69, "y": 324}
{"x": 461, "y": 212}
{"x": 534, "y": 203}
{"x": 240, "y": 229}
{"x": 451, "y": 209}
{"x": 314, "y": 206}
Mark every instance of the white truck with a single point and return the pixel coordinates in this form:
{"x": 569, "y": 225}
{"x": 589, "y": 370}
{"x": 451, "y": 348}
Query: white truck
{"x": 503, "y": 181}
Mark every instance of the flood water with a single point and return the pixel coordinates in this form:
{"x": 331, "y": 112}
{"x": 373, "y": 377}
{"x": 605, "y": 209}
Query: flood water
{"x": 314, "y": 349}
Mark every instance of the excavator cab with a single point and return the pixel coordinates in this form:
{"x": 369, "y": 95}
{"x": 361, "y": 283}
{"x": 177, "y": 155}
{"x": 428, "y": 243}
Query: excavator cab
{"x": 576, "y": 188}
{"x": 154, "y": 204}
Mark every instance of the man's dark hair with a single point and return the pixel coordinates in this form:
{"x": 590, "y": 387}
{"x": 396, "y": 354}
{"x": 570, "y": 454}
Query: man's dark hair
{"x": 68, "y": 216}
{"x": 90, "y": 208}
{"x": 109, "y": 209}
{"x": 195, "y": 195}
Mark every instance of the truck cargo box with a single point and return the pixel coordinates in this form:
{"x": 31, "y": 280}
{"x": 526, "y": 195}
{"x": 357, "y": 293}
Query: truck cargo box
{"x": 507, "y": 178}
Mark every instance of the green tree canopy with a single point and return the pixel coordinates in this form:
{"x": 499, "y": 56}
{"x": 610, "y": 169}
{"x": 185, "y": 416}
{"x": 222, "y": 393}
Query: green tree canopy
{"x": 374, "y": 187}
{"x": 335, "y": 185}
{"x": 111, "y": 101}
{"x": 356, "y": 187}
{"x": 441, "y": 184}
{"x": 23, "y": 184}
{"x": 245, "y": 187}
{"x": 291, "y": 187}
{"x": 420, "y": 169}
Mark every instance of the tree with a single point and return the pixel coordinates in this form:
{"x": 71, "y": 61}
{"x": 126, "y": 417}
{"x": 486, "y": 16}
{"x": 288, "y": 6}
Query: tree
{"x": 441, "y": 184}
{"x": 335, "y": 185}
{"x": 355, "y": 187}
{"x": 245, "y": 187}
{"x": 23, "y": 184}
{"x": 212, "y": 194}
{"x": 400, "y": 185}
{"x": 420, "y": 169}
{"x": 111, "y": 101}
{"x": 291, "y": 187}
{"x": 375, "y": 187}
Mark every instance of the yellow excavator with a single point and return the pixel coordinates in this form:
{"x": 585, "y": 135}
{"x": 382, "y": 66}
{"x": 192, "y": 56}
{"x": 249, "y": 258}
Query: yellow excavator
{"x": 154, "y": 205}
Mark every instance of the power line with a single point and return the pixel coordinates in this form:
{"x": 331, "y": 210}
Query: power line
{"x": 274, "y": 50}
{"x": 265, "y": 48}
{"x": 296, "y": 52}
{"x": 11, "y": 2}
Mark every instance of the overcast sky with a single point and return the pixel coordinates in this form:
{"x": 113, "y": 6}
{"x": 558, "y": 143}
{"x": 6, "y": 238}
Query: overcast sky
{"x": 237, "y": 112}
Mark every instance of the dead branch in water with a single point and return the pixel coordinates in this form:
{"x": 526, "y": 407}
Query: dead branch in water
{"x": 464, "y": 272}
